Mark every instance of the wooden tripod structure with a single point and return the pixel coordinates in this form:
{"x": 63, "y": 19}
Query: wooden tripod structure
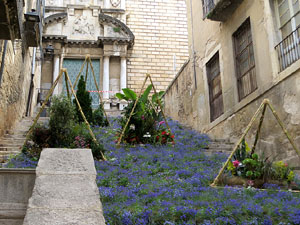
{"x": 68, "y": 83}
{"x": 262, "y": 109}
{"x": 148, "y": 76}
{"x": 88, "y": 62}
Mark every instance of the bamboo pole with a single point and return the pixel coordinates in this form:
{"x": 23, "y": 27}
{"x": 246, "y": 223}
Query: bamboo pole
{"x": 67, "y": 88}
{"x": 159, "y": 103}
{"x": 259, "y": 129}
{"x": 215, "y": 182}
{"x": 82, "y": 114}
{"x": 98, "y": 90}
{"x": 86, "y": 72}
{"x": 82, "y": 66}
{"x": 132, "y": 111}
{"x": 43, "y": 106}
{"x": 283, "y": 128}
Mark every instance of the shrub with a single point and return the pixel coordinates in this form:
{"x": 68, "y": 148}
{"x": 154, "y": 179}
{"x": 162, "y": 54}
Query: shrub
{"x": 85, "y": 102}
{"x": 99, "y": 118}
{"x": 62, "y": 121}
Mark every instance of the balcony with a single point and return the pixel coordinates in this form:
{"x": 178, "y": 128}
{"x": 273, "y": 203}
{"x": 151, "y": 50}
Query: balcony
{"x": 11, "y": 19}
{"x": 288, "y": 50}
{"x": 219, "y": 10}
{"x": 34, "y": 22}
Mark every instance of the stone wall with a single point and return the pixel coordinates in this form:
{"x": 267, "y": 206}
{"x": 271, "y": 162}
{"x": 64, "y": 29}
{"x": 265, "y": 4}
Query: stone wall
{"x": 16, "y": 188}
{"x": 14, "y": 84}
{"x": 160, "y": 29}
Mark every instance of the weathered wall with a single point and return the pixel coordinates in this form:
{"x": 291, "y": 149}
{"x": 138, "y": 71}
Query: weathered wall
{"x": 14, "y": 85}
{"x": 16, "y": 187}
{"x": 192, "y": 107}
{"x": 160, "y": 29}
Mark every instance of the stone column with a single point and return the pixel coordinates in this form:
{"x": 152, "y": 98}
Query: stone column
{"x": 123, "y": 79}
{"x": 55, "y": 72}
{"x": 123, "y": 4}
{"x": 106, "y": 4}
{"x": 106, "y": 82}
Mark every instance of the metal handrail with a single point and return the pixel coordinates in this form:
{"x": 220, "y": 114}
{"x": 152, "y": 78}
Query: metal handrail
{"x": 289, "y": 49}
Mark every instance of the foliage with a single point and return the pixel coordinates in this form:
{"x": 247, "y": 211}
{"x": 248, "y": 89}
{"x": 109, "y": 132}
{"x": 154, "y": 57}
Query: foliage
{"x": 170, "y": 185}
{"x": 247, "y": 165}
{"x": 143, "y": 126}
{"x": 62, "y": 132}
{"x": 85, "y": 101}
{"x": 62, "y": 121}
{"x": 99, "y": 117}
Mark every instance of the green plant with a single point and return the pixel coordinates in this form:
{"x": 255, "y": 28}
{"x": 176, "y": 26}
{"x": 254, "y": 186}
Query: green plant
{"x": 142, "y": 126}
{"x": 85, "y": 102}
{"x": 116, "y": 29}
{"x": 62, "y": 121}
{"x": 99, "y": 118}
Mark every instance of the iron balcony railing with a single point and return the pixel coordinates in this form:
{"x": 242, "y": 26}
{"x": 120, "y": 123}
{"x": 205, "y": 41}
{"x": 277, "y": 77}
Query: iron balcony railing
{"x": 289, "y": 49}
{"x": 208, "y": 6}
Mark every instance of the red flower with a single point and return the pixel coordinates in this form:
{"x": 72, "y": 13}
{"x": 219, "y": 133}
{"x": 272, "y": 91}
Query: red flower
{"x": 157, "y": 137}
{"x": 163, "y": 133}
{"x": 172, "y": 136}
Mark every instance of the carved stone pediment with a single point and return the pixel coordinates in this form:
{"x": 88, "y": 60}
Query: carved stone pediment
{"x": 83, "y": 25}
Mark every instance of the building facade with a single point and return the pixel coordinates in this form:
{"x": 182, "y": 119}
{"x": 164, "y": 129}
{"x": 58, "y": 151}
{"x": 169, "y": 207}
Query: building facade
{"x": 125, "y": 39}
{"x": 241, "y": 52}
{"x": 20, "y": 61}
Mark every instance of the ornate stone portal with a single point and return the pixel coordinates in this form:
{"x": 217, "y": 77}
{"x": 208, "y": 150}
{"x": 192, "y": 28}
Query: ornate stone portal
{"x": 75, "y": 28}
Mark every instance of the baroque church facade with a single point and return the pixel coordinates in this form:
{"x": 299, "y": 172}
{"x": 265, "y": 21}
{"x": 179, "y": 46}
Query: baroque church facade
{"x": 124, "y": 38}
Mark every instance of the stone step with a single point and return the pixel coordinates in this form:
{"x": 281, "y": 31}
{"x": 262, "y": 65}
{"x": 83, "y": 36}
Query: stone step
{"x": 15, "y": 136}
{"x": 9, "y": 149}
{"x": 11, "y": 144}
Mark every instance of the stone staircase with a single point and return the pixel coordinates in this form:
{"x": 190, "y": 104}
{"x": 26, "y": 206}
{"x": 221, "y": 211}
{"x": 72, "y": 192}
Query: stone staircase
{"x": 11, "y": 143}
{"x": 219, "y": 146}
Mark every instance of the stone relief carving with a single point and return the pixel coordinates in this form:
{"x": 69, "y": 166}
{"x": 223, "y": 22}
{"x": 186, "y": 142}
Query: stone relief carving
{"x": 115, "y": 3}
{"x": 82, "y": 26}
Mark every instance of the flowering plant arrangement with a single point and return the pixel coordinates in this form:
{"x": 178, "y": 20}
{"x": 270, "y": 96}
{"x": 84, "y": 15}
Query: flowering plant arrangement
{"x": 143, "y": 126}
{"x": 247, "y": 165}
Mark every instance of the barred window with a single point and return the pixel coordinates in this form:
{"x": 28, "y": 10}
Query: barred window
{"x": 215, "y": 87}
{"x": 244, "y": 58}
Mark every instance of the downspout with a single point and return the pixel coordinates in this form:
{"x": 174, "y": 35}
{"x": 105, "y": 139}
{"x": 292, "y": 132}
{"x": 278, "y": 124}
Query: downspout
{"x": 31, "y": 81}
{"x": 3, "y": 60}
{"x": 193, "y": 45}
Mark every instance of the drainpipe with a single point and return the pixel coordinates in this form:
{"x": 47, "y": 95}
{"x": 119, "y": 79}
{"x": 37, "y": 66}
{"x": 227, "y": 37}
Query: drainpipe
{"x": 31, "y": 81}
{"x": 193, "y": 45}
{"x": 3, "y": 60}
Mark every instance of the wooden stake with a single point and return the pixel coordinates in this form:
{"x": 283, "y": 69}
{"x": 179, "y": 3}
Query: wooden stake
{"x": 159, "y": 103}
{"x": 97, "y": 87}
{"x": 43, "y": 106}
{"x": 131, "y": 113}
{"x": 283, "y": 128}
{"x": 259, "y": 128}
{"x": 82, "y": 114}
{"x": 239, "y": 141}
{"x": 82, "y": 66}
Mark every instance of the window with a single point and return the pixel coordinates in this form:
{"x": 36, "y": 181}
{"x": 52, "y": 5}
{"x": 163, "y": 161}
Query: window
{"x": 215, "y": 87}
{"x": 288, "y": 20}
{"x": 288, "y": 16}
{"x": 244, "y": 59}
{"x": 207, "y": 6}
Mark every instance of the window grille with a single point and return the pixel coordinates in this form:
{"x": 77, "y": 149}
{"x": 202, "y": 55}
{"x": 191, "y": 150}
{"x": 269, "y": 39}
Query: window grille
{"x": 244, "y": 58}
{"x": 215, "y": 87}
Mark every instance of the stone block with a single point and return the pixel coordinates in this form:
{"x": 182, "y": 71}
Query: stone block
{"x": 65, "y": 190}
{"x": 66, "y": 161}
